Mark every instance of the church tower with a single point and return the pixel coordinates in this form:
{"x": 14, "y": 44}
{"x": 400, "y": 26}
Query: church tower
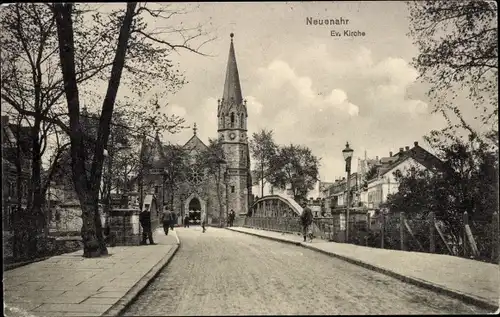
{"x": 232, "y": 131}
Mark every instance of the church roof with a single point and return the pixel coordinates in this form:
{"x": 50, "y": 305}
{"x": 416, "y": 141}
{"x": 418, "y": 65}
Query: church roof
{"x": 195, "y": 142}
{"x": 232, "y": 87}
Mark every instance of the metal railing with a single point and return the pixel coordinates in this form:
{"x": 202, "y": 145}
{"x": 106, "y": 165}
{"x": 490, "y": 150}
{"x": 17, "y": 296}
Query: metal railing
{"x": 478, "y": 239}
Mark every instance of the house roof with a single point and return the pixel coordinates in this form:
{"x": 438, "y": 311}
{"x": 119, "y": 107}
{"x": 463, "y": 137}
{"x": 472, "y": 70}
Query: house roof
{"x": 417, "y": 153}
{"x": 339, "y": 185}
{"x": 195, "y": 143}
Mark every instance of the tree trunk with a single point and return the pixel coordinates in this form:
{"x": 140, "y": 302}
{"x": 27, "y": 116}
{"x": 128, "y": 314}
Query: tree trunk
{"x": 66, "y": 51}
{"x": 88, "y": 188}
{"x": 18, "y": 247}
{"x": 172, "y": 198}
{"x": 107, "y": 113}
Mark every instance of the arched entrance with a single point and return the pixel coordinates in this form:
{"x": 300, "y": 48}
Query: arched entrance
{"x": 194, "y": 210}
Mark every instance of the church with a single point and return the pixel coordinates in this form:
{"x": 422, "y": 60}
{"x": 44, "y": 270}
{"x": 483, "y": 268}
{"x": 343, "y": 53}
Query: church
{"x": 199, "y": 191}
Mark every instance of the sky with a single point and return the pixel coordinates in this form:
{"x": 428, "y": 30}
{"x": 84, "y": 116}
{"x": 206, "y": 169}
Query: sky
{"x": 308, "y": 87}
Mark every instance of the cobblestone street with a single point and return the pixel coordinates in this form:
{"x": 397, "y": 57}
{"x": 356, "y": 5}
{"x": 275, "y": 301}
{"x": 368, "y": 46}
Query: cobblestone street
{"x": 221, "y": 272}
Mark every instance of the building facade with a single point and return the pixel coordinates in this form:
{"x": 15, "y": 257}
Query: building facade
{"x": 198, "y": 193}
{"x": 16, "y": 147}
{"x": 384, "y": 183}
{"x": 335, "y": 194}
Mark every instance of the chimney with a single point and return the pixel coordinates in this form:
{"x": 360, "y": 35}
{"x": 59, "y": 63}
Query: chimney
{"x": 407, "y": 148}
{"x": 390, "y": 154}
{"x": 415, "y": 143}
{"x": 401, "y": 150}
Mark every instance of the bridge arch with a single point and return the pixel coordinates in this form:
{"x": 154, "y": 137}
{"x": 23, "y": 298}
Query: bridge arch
{"x": 275, "y": 206}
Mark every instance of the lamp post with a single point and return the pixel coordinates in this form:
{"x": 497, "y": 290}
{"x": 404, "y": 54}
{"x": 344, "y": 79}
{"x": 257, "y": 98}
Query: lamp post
{"x": 347, "y": 153}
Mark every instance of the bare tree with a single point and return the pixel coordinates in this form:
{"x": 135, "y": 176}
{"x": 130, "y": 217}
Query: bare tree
{"x": 458, "y": 51}
{"x": 137, "y": 52}
{"x": 32, "y": 86}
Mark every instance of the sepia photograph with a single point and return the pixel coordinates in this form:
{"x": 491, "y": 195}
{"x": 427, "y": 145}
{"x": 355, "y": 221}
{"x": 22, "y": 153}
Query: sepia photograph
{"x": 250, "y": 158}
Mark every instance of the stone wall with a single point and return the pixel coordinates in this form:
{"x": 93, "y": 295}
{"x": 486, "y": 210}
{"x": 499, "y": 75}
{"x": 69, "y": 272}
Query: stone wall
{"x": 125, "y": 227}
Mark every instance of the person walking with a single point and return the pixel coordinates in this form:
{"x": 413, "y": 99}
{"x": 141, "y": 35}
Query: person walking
{"x": 232, "y": 215}
{"x": 306, "y": 218}
{"x": 173, "y": 220}
{"x": 186, "y": 221}
{"x": 166, "y": 220}
{"x": 203, "y": 220}
{"x": 145, "y": 220}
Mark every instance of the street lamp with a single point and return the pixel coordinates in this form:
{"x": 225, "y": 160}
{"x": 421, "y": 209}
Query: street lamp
{"x": 347, "y": 153}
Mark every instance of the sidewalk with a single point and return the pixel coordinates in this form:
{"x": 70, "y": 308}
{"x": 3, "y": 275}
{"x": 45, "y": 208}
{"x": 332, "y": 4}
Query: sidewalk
{"x": 70, "y": 285}
{"x": 472, "y": 281}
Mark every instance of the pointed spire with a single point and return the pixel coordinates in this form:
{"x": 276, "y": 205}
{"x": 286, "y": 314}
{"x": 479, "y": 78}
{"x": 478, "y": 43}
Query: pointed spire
{"x": 232, "y": 88}
{"x": 194, "y": 128}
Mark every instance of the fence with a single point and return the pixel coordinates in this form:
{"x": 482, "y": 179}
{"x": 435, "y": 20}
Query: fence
{"x": 460, "y": 237}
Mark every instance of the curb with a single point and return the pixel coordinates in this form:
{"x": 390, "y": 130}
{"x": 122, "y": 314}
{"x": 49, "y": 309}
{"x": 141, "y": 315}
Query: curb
{"x": 266, "y": 237}
{"x": 12, "y": 266}
{"x": 469, "y": 299}
{"x": 123, "y": 303}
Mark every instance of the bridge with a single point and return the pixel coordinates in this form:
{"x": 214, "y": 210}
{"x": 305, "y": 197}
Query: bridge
{"x": 282, "y": 213}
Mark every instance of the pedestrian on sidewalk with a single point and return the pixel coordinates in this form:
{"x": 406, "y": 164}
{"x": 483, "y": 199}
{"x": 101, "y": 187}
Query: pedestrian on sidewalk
{"x": 203, "y": 220}
{"x": 306, "y": 218}
{"x": 166, "y": 219}
{"x": 232, "y": 215}
{"x": 145, "y": 220}
{"x": 173, "y": 220}
{"x": 186, "y": 221}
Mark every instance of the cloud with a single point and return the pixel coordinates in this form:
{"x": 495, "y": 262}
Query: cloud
{"x": 395, "y": 76}
{"x": 278, "y": 75}
{"x": 177, "y": 110}
{"x": 322, "y": 98}
{"x": 338, "y": 99}
{"x": 254, "y": 107}
{"x": 396, "y": 70}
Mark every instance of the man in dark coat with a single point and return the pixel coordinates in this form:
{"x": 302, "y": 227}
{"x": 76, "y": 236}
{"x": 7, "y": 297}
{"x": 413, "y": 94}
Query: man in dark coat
{"x": 306, "y": 219}
{"x": 166, "y": 220}
{"x": 173, "y": 220}
{"x": 232, "y": 215}
{"x": 186, "y": 221}
{"x": 145, "y": 220}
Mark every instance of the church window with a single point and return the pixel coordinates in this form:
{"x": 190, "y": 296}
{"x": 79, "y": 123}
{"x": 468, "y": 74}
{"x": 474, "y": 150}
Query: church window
{"x": 232, "y": 189}
{"x": 232, "y": 119}
{"x": 241, "y": 121}
{"x": 195, "y": 176}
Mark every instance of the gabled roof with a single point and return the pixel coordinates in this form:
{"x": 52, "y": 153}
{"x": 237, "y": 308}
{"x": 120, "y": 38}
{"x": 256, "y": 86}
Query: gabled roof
{"x": 195, "y": 143}
{"x": 428, "y": 160}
